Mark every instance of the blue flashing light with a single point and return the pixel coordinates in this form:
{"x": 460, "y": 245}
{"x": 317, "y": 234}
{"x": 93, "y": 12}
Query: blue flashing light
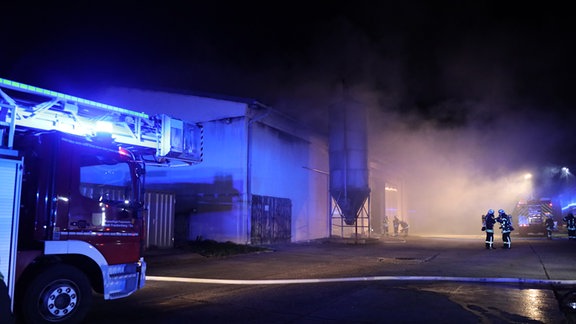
{"x": 35, "y": 90}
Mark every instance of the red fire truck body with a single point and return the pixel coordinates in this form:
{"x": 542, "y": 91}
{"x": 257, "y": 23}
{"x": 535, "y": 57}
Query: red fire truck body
{"x": 71, "y": 201}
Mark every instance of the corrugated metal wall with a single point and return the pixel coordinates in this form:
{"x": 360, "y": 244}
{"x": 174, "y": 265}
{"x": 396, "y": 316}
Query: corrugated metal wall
{"x": 159, "y": 215}
{"x": 160, "y": 219}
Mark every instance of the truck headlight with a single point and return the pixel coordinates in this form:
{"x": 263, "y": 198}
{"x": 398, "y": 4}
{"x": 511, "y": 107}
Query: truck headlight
{"x": 568, "y": 301}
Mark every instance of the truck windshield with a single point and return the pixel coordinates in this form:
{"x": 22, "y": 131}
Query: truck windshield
{"x": 107, "y": 182}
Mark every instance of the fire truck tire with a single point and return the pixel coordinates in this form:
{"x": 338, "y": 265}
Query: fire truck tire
{"x": 60, "y": 294}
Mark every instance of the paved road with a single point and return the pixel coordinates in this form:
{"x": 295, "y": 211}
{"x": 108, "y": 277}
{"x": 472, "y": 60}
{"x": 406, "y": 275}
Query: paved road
{"x": 419, "y": 279}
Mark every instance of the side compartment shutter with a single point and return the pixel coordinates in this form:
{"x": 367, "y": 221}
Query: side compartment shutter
{"x": 11, "y": 180}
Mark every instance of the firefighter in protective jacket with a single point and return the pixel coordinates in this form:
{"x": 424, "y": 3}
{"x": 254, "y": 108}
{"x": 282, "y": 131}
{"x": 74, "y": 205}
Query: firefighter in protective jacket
{"x": 570, "y": 226}
{"x": 506, "y": 226}
{"x": 488, "y": 222}
{"x": 549, "y": 226}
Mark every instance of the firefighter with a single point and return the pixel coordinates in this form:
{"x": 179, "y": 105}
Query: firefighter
{"x": 404, "y": 228}
{"x": 385, "y": 226}
{"x": 549, "y": 226}
{"x": 570, "y": 225}
{"x": 488, "y": 222}
{"x": 396, "y": 224}
{"x": 506, "y": 227}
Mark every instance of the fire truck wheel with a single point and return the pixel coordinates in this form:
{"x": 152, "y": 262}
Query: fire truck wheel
{"x": 61, "y": 293}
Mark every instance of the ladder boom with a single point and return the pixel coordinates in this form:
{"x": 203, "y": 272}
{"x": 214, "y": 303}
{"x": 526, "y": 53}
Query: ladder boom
{"x": 25, "y": 107}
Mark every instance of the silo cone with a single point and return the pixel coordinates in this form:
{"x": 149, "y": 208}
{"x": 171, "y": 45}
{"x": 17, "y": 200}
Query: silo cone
{"x": 349, "y": 184}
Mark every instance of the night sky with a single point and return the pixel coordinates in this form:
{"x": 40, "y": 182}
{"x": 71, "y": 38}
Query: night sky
{"x": 500, "y": 68}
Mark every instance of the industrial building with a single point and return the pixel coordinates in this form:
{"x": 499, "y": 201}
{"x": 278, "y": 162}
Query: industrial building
{"x": 264, "y": 178}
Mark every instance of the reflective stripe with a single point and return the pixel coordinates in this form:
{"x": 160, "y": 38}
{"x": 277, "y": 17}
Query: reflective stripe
{"x": 97, "y": 233}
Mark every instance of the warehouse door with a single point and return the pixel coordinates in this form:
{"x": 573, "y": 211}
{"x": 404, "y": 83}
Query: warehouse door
{"x": 271, "y": 220}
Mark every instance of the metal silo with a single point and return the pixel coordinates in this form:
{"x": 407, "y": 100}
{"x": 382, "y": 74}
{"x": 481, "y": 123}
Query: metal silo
{"x": 349, "y": 184}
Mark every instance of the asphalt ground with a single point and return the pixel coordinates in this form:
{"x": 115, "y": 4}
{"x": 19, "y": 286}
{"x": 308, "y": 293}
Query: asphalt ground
{"x": 537, "y": 259}
{"x": 442, "y": 278}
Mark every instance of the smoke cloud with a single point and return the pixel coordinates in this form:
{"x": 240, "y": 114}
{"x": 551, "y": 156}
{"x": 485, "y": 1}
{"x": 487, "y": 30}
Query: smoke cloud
{"x": 453, "y": 121}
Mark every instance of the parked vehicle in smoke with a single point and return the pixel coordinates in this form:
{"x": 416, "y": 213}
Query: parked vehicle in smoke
{"x": 530, "y": 216}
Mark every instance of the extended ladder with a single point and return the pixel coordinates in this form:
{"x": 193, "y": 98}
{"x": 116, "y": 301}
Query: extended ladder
{"x": 25, "y": 107}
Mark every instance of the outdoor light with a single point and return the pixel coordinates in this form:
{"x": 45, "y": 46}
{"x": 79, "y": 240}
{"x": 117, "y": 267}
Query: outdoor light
{"x": 528, "y": 176}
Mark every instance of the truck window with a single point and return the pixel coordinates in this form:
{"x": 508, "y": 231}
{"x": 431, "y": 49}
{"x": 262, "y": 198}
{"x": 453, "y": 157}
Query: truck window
{"x": 106, "y": 182}
{"x": 109, "y": 184}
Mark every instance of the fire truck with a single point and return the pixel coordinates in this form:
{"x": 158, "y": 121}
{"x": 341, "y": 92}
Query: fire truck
{"x": 72, "y": 199}
{"x": 531, "y": 216}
